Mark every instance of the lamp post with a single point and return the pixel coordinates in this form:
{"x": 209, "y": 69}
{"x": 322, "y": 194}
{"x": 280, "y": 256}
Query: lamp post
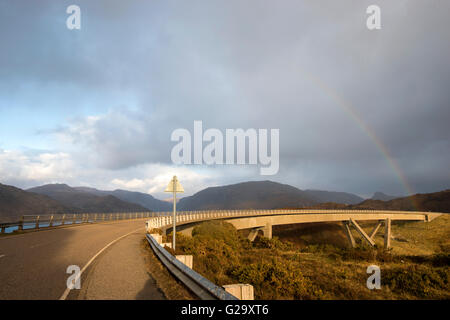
{"x": 174, "y": 187}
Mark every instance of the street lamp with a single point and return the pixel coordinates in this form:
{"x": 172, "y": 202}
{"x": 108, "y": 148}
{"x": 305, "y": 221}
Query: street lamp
{"x": 174, "y": 187}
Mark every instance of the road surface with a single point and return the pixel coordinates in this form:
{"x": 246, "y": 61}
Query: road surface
{"x": 33, "y": 265}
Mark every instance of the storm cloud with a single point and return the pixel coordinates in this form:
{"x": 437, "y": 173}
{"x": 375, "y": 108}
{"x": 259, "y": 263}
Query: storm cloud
{"x": 357, "y": 109}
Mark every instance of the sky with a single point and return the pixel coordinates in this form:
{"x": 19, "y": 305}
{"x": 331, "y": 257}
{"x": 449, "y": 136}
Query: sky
{"x": 357, "y": 110}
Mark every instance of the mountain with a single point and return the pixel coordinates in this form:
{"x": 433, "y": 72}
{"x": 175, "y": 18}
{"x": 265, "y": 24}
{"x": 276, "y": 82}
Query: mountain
{"x": 15, "y": 202}
{"x": 247, "y": 195}
{"x": 437, "y": 202}
{"x": 142, "y": 199}
{"x": 382, "y": 196}
{"x": 332, "y": 196}
{"x": 82, "y": 201}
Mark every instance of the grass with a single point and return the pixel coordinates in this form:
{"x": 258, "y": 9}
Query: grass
{"x": 417, "y": 267}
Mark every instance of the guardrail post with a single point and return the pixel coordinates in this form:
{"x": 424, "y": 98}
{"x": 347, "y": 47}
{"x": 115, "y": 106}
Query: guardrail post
{"x": 51, "y": 221}
{"x": 63, "y": 219}
{"x": 37, "y": 222}
{"x": 186, "y": 260}
{"x": 74, "y": 219}
{"x": 240, "y": 291}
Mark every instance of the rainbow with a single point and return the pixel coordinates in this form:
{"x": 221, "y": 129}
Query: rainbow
{"x": 350, "y": 110}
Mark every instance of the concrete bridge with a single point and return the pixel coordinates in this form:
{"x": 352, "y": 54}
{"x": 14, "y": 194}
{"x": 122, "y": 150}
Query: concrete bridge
{"x": 263, "y": 220}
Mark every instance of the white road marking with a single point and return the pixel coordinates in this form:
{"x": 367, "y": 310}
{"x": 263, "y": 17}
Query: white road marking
{"x": 2, "y": 255}
{"x": 67, "y": 291}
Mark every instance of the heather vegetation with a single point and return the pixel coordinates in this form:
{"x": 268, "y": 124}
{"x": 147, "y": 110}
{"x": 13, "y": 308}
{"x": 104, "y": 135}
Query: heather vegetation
{"x": 283, "y": 269}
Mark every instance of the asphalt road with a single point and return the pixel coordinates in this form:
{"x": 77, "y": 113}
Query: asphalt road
{"x": 33, "y": 265}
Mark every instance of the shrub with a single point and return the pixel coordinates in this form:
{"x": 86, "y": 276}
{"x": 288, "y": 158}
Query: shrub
{"x": 274, "y": 243}
{"x": 417, "y": 280}
{"x": 218, "y": 230}
{"x": 276, "y": 281}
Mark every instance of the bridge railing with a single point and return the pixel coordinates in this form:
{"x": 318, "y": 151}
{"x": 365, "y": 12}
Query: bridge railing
{"x": 27, "y": 222}
{"x": 164, "y": 218}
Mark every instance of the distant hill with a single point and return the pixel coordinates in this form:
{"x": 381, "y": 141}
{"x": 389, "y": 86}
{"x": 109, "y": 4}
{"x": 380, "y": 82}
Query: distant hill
{"x": 61, "y": 198}
{"x": 262, "y": 195}
{"x": 437, "y": 201}
{"x": 82, "y": 201}
{"x": 332, "y": 196}
{"x": 142, "y": 199}
{"x": 247, "y": 195}
{"x": 15, "y": 202}
{"x": 382, "y": 196}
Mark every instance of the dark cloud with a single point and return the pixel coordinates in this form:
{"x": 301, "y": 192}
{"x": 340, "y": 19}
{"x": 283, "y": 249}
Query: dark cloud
{"x": 311, "y": 69}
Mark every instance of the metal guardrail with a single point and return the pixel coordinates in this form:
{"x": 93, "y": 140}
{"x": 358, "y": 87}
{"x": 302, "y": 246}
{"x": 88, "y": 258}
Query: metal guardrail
{"x": 29, "y": 222}
{"x": 199, "y": 285}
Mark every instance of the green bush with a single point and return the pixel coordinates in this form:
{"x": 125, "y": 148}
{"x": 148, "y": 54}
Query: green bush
{"x": 417, "y": 280}
{"x": 276, "y": 280}
{"x": 277, "y": 270}
{"x": 218, "y": 230}
{"x": 274, "y": 243}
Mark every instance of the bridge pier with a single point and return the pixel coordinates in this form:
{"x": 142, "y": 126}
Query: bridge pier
{"x": 375, "y": 230}
{"x": 253, "y": 233}
{"x": 387, "y": 233}
{"x": 362, "y": 232}
{"x": 348, "y": 232}
{"x": 267, "y": 230}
